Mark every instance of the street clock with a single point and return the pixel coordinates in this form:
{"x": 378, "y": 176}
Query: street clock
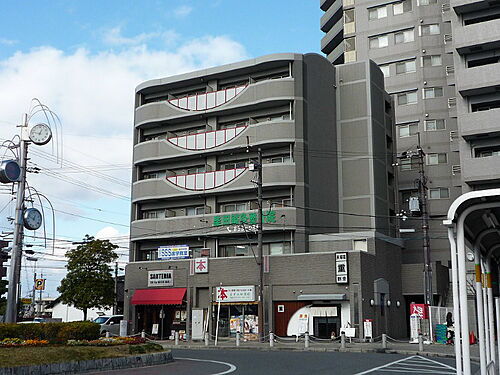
{"x": 40, "y": 134}
{"x": 32, "y": 219}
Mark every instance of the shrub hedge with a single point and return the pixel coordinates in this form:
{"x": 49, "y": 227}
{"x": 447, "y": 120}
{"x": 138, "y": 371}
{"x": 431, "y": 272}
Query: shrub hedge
{"x": 55, "y": 333}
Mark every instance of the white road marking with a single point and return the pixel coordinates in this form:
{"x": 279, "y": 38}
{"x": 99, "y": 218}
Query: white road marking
{"x": 414, "y": 364}
{"x": 232, "y": 367}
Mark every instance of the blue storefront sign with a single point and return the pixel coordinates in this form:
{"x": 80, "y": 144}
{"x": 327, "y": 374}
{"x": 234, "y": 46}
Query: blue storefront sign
{"x": 173, "y": 252}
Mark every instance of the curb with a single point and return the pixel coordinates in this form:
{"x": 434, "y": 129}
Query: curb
{"x": 91, "y": 365}
{"x": 312, "y": 349}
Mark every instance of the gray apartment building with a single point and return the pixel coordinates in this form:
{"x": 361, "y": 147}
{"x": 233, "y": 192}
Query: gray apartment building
{"x": 330, "y": 252}
{"x": 440, "y": 66}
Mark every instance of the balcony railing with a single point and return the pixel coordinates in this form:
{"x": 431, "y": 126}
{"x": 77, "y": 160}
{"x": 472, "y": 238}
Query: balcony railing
{"x": 453, "y": 135}
{"x": 448, "y": 38}
{"x": 456, "y": 169}
{"x": 206, "y": 180}
{"x": 206, "y": 140}
{"x": 450, "y": 69}
{"x": 452, "y": 102}
{"x": 209, "y": 100}
{"x": 445, "y": 7}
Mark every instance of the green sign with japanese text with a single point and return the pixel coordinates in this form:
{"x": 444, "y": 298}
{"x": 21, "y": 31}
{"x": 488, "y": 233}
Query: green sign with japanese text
{"x": 241, "y": 218}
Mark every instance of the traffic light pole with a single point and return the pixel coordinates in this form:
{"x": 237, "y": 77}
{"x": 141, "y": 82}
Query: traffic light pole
{"x": 17, "y": 245}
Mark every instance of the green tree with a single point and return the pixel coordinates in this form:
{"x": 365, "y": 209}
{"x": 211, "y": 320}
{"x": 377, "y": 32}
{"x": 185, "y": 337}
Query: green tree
{"x": 3, "y": 300}
{"x": 88, "y": 283}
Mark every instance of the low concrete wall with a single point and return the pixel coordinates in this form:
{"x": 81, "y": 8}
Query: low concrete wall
{"x": 104, "y": 364}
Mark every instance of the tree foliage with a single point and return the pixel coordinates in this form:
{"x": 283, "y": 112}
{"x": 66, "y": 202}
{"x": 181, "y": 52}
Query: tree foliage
{"x": 3, "y": 300}
{"x": 88, "y": 283}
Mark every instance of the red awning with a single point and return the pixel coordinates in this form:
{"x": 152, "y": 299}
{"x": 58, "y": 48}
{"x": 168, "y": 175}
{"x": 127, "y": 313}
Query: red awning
{"x": 170, "y": 296}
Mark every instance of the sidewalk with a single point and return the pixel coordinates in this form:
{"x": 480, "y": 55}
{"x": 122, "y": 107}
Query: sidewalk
{"x": 399, "y": 347}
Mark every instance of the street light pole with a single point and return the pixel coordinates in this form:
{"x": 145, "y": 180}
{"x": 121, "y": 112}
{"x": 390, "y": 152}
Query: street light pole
{"x": 17, "y": 246}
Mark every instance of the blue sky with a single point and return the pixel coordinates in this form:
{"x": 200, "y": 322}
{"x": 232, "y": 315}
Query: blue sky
{"x": 83, "y": 59}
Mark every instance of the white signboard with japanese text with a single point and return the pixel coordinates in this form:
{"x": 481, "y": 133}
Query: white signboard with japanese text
{"x": 201, "y": 265}
{"x": 235, "y": 294}
{"x": 173, "y": 252}
{"x": 341, "y": 271}
{"x": 160, "y": 278}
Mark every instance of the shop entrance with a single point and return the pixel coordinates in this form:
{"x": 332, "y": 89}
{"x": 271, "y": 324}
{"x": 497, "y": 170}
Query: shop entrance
{"x": 233, "y": 318}
{"x": 325, "y": 325}
{"x": 162, "y": 320}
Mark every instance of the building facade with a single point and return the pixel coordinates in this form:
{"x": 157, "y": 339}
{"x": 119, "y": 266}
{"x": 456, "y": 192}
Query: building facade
{"x": 330, "y": 252}
{"x": 411, "y": 42}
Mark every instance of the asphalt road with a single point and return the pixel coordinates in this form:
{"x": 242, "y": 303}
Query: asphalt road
{"x": 252, "y": 362}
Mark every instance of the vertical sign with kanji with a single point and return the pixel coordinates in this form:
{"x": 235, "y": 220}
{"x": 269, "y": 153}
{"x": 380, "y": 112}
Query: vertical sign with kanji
{"x": 341, "y": 268}
{"x": 201, "y": 265}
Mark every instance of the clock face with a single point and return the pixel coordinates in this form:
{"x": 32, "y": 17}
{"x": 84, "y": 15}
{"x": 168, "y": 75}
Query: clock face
{"x": 40, "y": 134}
{"x": 32, "y": 219}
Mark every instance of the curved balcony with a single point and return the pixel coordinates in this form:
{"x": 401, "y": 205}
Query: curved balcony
{"x": 277, "y": 91}
{"x": 239, "y": 179}
{"x": 282, "y": 132}
{"x": 209, "y": 100}
{"x": 206, "y": 180}
{"x": 206, "y": 140}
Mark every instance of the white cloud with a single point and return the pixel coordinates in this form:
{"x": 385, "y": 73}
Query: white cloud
{"x": 115, "y": 37}
{"x": 107, "y": 233}
{"x": 183, "y": 11}
{"x": 7, "y": 42}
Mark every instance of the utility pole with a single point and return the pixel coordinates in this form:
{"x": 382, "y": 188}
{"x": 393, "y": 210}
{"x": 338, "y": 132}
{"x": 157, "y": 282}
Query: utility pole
{"x": 41, "y": 291}
{"x": 259, "y": 245}
{"x": 33, "y": 303}
{"x": 422, "y": 187}
{"x": 17, "y": 245}
{"x": 115, "y": 306}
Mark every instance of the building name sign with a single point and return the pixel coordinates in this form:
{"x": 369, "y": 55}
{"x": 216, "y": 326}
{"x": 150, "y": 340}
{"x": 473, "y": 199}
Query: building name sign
{"x": 243, "y": 218}
{"x": 235, "y": 294}
{"x": 160, "y": 278}
{"x": 341, "y": 268}
{"x": 173, "y": 252}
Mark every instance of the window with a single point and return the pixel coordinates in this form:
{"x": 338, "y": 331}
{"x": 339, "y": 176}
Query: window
{"x": 360, "y": 245}
{"x": 350, "y": 44}
{"x": 279, "y": 248}
{"x": 404, "y": 36}
{"x": 433, "y": 92}
{"x": 408, "y": 164}
{"x": 433, "y": 125}
{"x": 232, "y": 207}
{"x": 349, "y": 16}
{"x": 402, "y": 7}
{"x": 148, "y": 176}
{"x": 234, "y": 250}
{"x": 153, "y": 214}
{"x": 194, "y": 170}
{"x": 380, "y": 41}
{"x": 407, "y": 130}
{"x": 377, "y": 13}
{"x": 234, "y": 165}
{"x": 192, "y": 211}
{"x": 279, "y": 159}
{"x": 437, "y": 158}
{"x": 485, "y": 106}
{"x": 409, "y": 97}
{"x": 280, "y": 202}
{"x": 439, "y": 193}
{"x": 403, "y": 67}
{"x": 432, "y": 60}
{"x": 235, "y": 124}
{"x": 486, "y": 153}
{"x": 431, "y": 29}
{"x": 385, "y": 70}
{"x": 426, "y": 2}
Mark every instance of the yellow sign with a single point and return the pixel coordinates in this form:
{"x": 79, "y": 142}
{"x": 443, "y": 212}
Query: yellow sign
{"x": 26, "y": 301}
{"x": 40, "y": 284}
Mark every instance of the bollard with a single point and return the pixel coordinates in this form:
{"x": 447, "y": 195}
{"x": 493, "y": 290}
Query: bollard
{"x": 271, "y": 339}
{"x": 143, "y": 334}
{"x": 237, "y": 338}
{"x": 176, "y": 338}
{"x": 342, "y": 340}
{"x": 306, "y": 340}
{"x": 420, "y": 343}
{"x": 206, "y": 338}
{"x": 107, "y": 334}
{"x": 384, "y": 341}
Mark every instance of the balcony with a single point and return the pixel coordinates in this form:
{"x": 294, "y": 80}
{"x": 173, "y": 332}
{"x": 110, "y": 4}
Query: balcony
{"x": 208, "y": 100}
{"x": 264, "y": 132}
{"x": 330, "y": 16}
{"x": 239, "y": 179}
{"x": 466, "y": 37}
{"x": 333, "y": 38}
{"x": 480, "y": 170}
{"x": 476, "y": 124}
{"x": 279, "y": 91}
{"x": 186, "y": 226}
{"x": 475, "y": 81}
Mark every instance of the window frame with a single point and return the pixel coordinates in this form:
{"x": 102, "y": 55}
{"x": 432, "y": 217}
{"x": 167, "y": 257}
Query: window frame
{"x": 377, "y": 9}
{"x": 402, "y": 3}
{"x": 378, "y": 38}
{"x": 409, "y": 126}
{"x": 436, "y": 129}
{"x": 405, "y": 64}
{"x": 406, "y": 93}
{"x": 429, "y": 27}
{"x": 404, "y": 33}
{"x": 440, "y": 189}
{"x": 438, "y": 155}
{"x": 433, "y": 90}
